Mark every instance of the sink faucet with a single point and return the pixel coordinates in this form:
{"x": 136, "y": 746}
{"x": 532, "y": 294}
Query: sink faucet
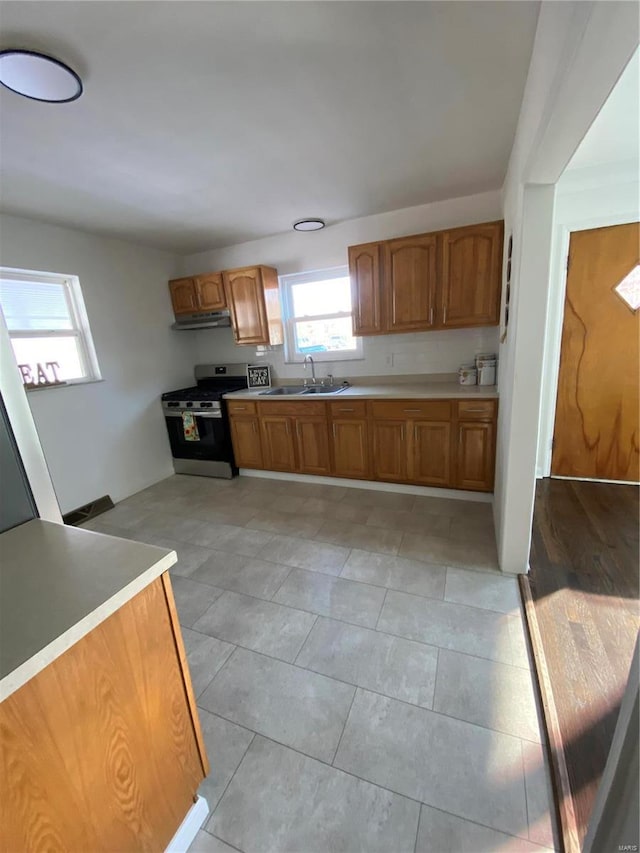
{"x": 308, "y": 358}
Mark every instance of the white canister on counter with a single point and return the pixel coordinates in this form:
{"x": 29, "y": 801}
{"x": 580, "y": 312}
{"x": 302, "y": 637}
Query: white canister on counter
{"x": 486, "y": 371}
{"x": 468, "y": 375}
{"x": 485, "y": 356}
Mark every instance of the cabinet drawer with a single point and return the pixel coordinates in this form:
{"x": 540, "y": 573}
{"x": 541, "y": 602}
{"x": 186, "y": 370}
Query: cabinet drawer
{"x": 293, "y": 407}
{"x": 348, "y": 409}
{"x": 241, "y": 407}
{"x": 477, "y": 410}
{"x": 430, "y": 410}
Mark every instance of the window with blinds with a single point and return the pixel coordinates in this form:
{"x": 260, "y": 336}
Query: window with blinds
{"x": 48, "y": 327}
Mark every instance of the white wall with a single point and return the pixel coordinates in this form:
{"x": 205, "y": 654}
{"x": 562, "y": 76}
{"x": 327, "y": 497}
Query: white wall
{"x": 579, "y": 52}
{"x": 427, "y": 352}
{"x": 107, "y": 437}
{"x": 585, "y": 198}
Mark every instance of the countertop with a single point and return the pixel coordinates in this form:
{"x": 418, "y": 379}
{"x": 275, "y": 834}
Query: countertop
{"x": 400, "y": 391}
{"x": 57, "y": 583}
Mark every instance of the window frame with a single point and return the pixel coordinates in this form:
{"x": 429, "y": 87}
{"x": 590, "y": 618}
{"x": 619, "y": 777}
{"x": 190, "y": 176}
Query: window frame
{"x": 291, "y": 354}
{"x": 80, "y": 330}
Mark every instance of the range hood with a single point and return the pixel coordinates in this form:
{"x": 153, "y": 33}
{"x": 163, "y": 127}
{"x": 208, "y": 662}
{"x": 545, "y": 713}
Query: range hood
{"x": 208, "y": 320}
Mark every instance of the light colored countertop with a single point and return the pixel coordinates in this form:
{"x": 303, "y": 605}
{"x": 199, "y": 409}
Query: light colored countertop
{"x": 57, "y": 583}
{"x": 400, "y": 391}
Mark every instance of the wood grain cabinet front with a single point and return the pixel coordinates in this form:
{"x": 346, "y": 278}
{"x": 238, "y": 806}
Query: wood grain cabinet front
{"x": 475, "y": 455}
{"x": 350, "y": 441}
{"x": 253, "y": 299}
{"x": 183, "y": 296}
{"x": 471, "y": 276}
{"x": 247, "y": 445}
{"x": 365, "y": 269}
{"x": 312, "y": 441}
{"x": 210, "y": 292}
{"x": 410, "y": 280}
{"x": 389, "y": 450}
{"x": 278, "y": 446}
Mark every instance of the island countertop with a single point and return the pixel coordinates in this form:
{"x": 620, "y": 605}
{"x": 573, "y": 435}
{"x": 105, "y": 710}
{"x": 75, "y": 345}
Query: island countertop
{"x": 57, "y": 583}
{"x": 396, "y": 391}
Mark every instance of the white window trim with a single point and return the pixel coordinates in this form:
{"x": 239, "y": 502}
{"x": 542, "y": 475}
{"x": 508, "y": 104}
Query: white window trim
{"x": 79, "y": 319}
{"x": 291, "y": 355}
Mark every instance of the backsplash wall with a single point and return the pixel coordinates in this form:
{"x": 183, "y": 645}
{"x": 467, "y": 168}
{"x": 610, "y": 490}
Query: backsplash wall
{"x": 386, "y": 355}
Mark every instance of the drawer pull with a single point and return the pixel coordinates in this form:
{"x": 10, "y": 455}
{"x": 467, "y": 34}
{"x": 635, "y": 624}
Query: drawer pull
{"x": 255, "y": 427}
{"x": 334, "y": 430}
{"x": 401, "y": 433}
{"x": 239, "y": 408}
{"x": 475, "y": 410}
{"x": 346, "y": 410}
{"x": 431, "y": 316}
{"x": 410, "y": 411}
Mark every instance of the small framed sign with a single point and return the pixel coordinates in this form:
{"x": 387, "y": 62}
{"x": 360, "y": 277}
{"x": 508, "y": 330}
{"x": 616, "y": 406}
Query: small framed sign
{"x": 259, "y": 376}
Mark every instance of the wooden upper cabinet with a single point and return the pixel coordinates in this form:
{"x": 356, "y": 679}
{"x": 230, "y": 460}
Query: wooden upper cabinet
{"x": 365, "y": 271}
{"x": 471, "y": 275}
{"x": 410, "y": 278}
{"x": 210, "y": 292}
{"x": 183, "y": 296}
{"x": 252, "y": 297}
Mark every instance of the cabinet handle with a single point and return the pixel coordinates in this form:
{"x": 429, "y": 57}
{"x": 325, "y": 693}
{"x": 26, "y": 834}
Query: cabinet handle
{"x": 415, "y": 434}
{"x": 444, "y": 315}
{"x": 401, "y": 433}
{"x": 411, "y": 411}
{"x": 474, "y": 410}
{"x": 255, "y": 427}
{"x": 288, "y": 428}
{"x": 239, "y": 408}
{"x": 334, "y": 430}
{"x": 431, "y": 316}
{"x": 346, "y": 410}
{"x": 298, "y": 430}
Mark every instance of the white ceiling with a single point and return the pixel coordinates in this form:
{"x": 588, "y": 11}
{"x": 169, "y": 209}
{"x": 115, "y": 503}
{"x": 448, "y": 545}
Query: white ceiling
{"x": 205, "y": 124}
{"x": 614, "y": 136}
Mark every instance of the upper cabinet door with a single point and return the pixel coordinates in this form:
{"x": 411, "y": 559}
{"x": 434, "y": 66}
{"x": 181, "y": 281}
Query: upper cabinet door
{"x": 364, "y": 270}
{"x": 210, "y": 292}
{"x": 410, "y": 270}
{"x": 471, "y": 275}
{"x": 183, "y": 296}
{"x": 246, "y": 302}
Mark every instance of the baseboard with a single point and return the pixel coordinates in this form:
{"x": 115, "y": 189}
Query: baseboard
{"x": 374, "y": 486}
{"x": 189, "y": 827}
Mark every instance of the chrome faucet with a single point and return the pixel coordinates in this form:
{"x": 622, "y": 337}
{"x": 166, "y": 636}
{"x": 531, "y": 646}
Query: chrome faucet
{"x": 308, "y": 358}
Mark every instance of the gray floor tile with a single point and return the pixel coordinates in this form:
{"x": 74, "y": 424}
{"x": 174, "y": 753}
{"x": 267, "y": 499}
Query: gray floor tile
{"x": 352, "y": 602}
{"x": 491, "y": 694}
{"x": 454, "y": 508}
{"x": 287, "y": 523}
{"x": 396, "y": 573}
{"x": 225, "y": 512}
{"x": 226, "y": 745}
{"x": 235, "y": 540}
{"x": 441, "y": 832}
{"x": 124, "y": 516}
{"x": 455, "y": 766}
{"x": 322, "y": 508}
{"x": 189, "y": 556}
{"x": 449, "y": 626}
{"x": 540, "y": 806}
{"x": 314, "y": 556}
{"x": 450, "y": 552}
{"x": 192, "y": 599}
{"x": 256, "y": 624}
{"x": 481, "y": 589}
{"x": 241, "y": 574}
{"x": 283, "y": 702}
{"x": 280, "y": 800}
{"x": 205, "y": 656}
{"x": 204, "y": 842}
{"x": 383, "y": 500}
{"x": 398, "y": 668}
{"x": 517, "y": 632}
{"x": 169, "y": 526}
{"x": 478, "y": 526}
{"x": 360, "y": 536}
{"x": 410, "y": 522}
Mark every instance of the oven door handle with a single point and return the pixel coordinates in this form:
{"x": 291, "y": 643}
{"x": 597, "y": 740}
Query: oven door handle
{"x": 197, "y": 414}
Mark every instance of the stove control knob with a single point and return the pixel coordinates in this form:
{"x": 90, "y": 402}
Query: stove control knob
{"x": 171, "y": 405}
{"x": 206, "y": 405}
{"x": 189, "y": 405}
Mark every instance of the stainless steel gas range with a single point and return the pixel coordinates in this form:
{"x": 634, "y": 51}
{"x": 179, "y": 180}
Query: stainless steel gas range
{"x": 197, "y": 421}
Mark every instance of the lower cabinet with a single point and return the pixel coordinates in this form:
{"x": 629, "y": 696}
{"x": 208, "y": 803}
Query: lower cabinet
{"x": 431, "y": 455}
{"x": 389, "y": 450}
{"x": 247, "y": 447}
{"x": 277, "y": 443}
{"x": 475, "y": 455}
{"x": 312, "y": 440}
{"x": 351, "y": 448}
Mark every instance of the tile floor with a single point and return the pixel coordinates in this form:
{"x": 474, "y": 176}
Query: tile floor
{"x": 360, "y": 666}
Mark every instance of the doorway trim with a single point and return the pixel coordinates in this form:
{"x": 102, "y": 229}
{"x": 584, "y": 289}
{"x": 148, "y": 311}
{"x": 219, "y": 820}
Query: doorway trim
{"x": 555, "y": 321}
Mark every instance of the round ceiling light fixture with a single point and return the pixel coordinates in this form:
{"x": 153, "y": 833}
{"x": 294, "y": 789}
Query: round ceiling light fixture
{"x": 38, "y": 76}
{"x": 308, "y": 224}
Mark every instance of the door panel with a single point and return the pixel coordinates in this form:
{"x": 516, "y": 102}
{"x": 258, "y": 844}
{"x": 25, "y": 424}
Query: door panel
{"x": 431, "y": 458}
{"x": 471, "y": 275}
{"x": 350, "y": 448}
{"x": 183, "y": 296}
{"x": 210, "y": 292}
{"x": 475, "y": 457}
{"x": 390, "y": 450}
{"x": 410, "y": 282}
{"x": 313, "y": 445}
{"x": 364, "y": 270}
{"x": 596, "y": 432}
{"x": 245, "y": 299}
{"x": 247, "y": 449}
{"x": 277, "y": 443}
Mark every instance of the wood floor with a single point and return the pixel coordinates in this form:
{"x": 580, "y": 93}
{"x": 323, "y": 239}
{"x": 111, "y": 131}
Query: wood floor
{"x": 584, "y": 601}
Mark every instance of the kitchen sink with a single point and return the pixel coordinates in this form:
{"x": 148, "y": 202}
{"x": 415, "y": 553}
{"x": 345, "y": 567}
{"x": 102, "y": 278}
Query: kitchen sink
{"x": 326, "y": 389}
{"x": 303, "y": 389}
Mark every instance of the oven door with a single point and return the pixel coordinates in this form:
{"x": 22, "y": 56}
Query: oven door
{"x": 214, "y": 443}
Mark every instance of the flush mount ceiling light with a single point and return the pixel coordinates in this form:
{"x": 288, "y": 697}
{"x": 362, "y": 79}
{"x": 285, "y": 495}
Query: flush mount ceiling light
{"x": 308, "y": 225}
{"x": 38, "y": 76}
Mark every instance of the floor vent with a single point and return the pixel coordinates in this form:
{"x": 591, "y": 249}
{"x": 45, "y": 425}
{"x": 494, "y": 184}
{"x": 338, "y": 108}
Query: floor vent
{"x": 84, "y": 513}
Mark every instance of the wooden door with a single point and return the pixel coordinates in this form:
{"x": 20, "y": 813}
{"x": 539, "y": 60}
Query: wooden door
{"x": 313, "y": 445}
{"x": 431, "y": 456}
{"x": 183, "y": 296}
{"x": 410, "y": 271}
{"x": 245, "y": 435}
{"x": 365, "y": 271}
{"x": 210, "y": 292}
{"x": 596, "y": 432}
{"x": 390, "y": 450}
{"x": 475, "y": 455}
{"x": 471, "y": 275}
{"x": 277, "y": 443}
{"x": 245, "y": 299}
{"x": 350, "y": 448}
